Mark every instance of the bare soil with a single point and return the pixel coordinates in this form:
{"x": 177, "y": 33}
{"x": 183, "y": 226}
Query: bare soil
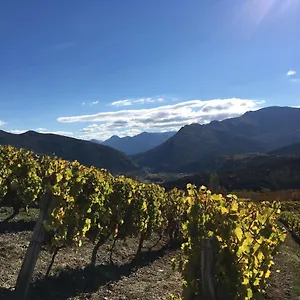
{"x": 286, "y": 284}
{"x": 151, "y": 277}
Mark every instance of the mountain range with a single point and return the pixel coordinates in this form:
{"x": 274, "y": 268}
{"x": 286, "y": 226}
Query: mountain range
{"x": 138, "y": 143}
{"x": 68, "y": 148}
{"x": 256, "y": 137}
{"x": 195, "y": 147}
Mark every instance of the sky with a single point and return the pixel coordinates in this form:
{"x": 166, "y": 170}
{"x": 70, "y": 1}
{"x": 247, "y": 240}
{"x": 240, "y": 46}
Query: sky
{"x": 92, "y": 69}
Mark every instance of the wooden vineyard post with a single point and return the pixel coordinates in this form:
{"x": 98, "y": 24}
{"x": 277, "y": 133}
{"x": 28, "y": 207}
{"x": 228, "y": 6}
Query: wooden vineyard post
{"x": 207, "y": 269}
{"x": 33, "y": 250}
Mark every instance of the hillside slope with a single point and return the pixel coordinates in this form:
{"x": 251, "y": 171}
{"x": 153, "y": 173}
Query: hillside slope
{"x": 85, "y": 152}
{"x": 293, "y": 149}
{"x": 194, "y": 146}
{"x": 249, "y": 173}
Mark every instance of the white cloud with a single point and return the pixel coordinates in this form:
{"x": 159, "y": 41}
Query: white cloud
{"x": 122, "y": 103}
{"x": 90, "y": 103}
{"x": 2, "y": 123}
{"x": 101, "y": 132}
{"x": 17, "y": 131}
{"x": 291, "y": 73}
{"x": 58, "y": 132}
{"x": 128, "y": 102}
{"x": 161, "y": 118}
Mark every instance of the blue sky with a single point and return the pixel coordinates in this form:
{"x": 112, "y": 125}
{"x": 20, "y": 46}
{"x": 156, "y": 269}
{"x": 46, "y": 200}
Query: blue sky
{"x": 94, "y": 68}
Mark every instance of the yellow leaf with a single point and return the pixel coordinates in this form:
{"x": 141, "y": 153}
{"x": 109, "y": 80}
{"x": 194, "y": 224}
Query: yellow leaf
{"x": 224, "y": 210}
{"x": 260, "y": 256}
{"x": 249, "y": 293}
{"x": 256, "y": 282}
{"x": 234, "y": 206}
{"x": 59, "y": 177}
{"x": 239, "y": 233}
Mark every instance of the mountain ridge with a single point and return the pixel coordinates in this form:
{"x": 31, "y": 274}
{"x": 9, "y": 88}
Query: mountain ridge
{"x": 139, "y": 143}
{"x": 87, "y": 153}
{"x": 259, "y": 131}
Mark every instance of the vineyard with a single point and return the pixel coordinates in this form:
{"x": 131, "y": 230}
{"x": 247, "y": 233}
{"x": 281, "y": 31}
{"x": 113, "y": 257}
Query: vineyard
{"x": 226, "y": 246}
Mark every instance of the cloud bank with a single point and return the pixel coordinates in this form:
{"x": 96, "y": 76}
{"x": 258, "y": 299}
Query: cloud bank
{"x": 2, "y": 123}
{"x": 161, "y": 118}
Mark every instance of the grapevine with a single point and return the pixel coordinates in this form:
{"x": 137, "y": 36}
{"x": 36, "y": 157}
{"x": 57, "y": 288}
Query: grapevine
{"x": 292, "y": 221}
{"x": 246, "y": 238}
{"x": 89, "y": 205}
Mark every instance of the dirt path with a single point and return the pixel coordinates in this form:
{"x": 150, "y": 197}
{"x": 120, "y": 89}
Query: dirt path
{"x": 286, "y": 284}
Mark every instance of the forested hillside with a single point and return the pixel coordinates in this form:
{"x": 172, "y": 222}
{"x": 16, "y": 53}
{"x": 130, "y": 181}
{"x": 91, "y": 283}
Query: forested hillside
{"x": 195, "y": 147}
{"x": 85, "y": 152}
{"x": 251, "y": 173}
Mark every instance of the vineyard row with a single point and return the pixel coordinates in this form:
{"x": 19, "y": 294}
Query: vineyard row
{"x": 89, "y": 205}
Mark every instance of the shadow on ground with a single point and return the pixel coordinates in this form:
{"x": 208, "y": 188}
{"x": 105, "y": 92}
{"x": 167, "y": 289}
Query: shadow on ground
{"x": 73, "y": 282}
{"x": 16, "y": 226}
{"x": 6, "y": 294}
